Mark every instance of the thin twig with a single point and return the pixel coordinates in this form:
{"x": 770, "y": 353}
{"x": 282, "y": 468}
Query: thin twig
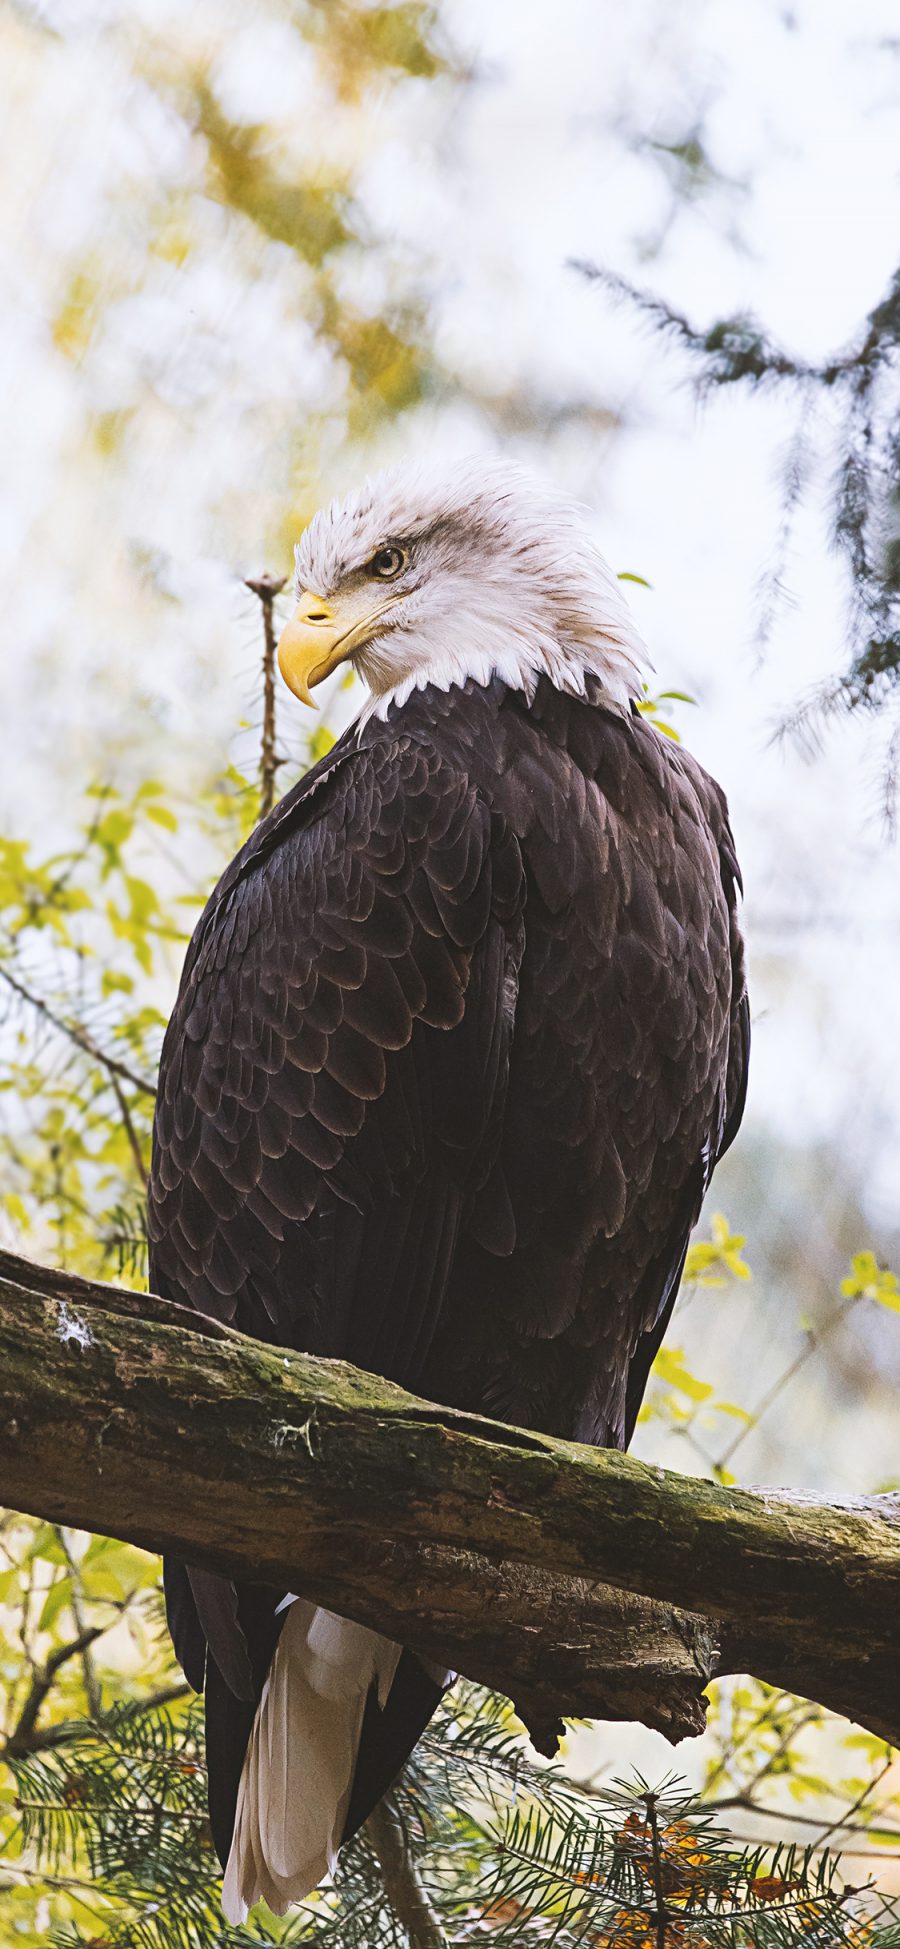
{"x": 814, "y": 1342}
{"x": 402, "y": 1883}
{"x": 19, "y": 1741}
{"x": 860, "y": 1801}
{"x": 735, "y": 348}
{"x": 266, "y": 588}
{"x": 91, "y": 1681}
{"x": 774, "y": 1708}
{"x": 66, "y": 1732}
{"x": 130, "y": 1132}
{"x": 738, "y": 348}
{"x": 661, "y": 1916}
{"x": 742, "y": 1803}
{"x": 77, "y": 1033}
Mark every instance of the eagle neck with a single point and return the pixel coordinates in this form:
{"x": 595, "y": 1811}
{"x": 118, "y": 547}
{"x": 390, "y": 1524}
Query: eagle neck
{"x": 609, "y": 670}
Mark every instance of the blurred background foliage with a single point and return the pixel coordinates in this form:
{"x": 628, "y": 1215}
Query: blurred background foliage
{"x": 252, "y": 251}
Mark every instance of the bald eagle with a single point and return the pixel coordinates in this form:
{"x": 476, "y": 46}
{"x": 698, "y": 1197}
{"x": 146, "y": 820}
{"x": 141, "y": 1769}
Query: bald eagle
{"x": 461, "y": 1035}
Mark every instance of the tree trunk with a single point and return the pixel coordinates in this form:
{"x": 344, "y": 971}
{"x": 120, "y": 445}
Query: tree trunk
{"x": 575, "y": 1580}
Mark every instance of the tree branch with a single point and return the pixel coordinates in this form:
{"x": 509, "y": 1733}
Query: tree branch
{"x": 64, "y": 1732}
{"x": 574, "y": 1580}
{"x": 91, "y": 1681}
{"x": 266, "y": 588}
{"x": 24, "y": 1734}
{"x": 403, "y": 1885}
{"x": 83, "y": 1040}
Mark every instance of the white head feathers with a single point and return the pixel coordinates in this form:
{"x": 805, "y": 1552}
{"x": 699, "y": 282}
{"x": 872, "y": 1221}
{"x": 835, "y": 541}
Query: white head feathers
{"x": 499, "y": 576}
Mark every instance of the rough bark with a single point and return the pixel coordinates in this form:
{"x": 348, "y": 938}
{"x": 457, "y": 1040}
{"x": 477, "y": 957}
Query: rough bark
{"x": 267, "y": 587}
{"x": 575, "y": 1580}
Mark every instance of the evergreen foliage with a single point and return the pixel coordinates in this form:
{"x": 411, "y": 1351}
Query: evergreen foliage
{"x": 860, "y": 388}
{"x": 493, "y": 1844}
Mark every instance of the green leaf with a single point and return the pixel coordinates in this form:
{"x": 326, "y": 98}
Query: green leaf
{"x": 722, "y": 1253}
{"x": 321, "y": 742}
{"x": 669, "y": 1366}
{"x": 114, "y": 982}
{"x": 870, "y": 1280}
{"x": 46, "y": 1544}
{"x": 112, "y": 1571}
{"x": 58, "y": 1596}
{"x": 10, "y": 1584}
{"x": 162, "y": 815}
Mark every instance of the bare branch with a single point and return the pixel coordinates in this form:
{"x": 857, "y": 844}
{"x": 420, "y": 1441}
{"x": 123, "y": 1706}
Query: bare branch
{"x": 64, "y": 1732}
{"x": 267, "y": 587}
{"x": 20, "y": 1740}
{"x": 403, "y": 1885}
{"x": 77, "y": 1033}
{"x": 91, "y": 1682}
{"x": 813, "y": 1344}
{"x": 137, "y": 1154}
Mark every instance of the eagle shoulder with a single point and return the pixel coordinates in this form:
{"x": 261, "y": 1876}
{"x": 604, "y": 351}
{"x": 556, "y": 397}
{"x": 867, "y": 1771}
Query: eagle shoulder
{"x": 340, "y": 1035}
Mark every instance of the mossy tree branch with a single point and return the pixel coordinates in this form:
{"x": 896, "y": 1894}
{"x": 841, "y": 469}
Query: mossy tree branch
{"x": 574, "y": 1580}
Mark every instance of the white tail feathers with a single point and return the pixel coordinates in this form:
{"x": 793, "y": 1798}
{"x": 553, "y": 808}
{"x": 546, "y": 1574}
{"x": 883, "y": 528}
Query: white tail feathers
{"x": 298, "y": 1771}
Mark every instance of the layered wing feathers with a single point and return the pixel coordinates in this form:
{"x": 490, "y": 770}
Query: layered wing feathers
{"x": 460, "y": 1037}
{"x": 331, "y": 1072}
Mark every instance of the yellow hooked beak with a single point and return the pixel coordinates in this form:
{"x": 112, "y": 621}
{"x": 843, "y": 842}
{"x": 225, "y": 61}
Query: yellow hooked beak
{"x": 322, "y": 634}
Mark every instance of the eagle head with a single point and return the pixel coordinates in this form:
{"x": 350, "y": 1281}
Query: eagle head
{"x": 479, "y": 570}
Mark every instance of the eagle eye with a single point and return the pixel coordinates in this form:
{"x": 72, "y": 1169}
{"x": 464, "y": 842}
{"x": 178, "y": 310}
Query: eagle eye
{"x": 388, "y": 561}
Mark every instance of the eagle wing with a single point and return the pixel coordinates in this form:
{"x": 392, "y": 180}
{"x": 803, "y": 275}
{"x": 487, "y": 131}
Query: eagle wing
{"x": 330, "y": 1102}
{"x": 332, "y": 1078}
{"x": 661, "y": 1283}
{"x": 330, "y": 1120}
